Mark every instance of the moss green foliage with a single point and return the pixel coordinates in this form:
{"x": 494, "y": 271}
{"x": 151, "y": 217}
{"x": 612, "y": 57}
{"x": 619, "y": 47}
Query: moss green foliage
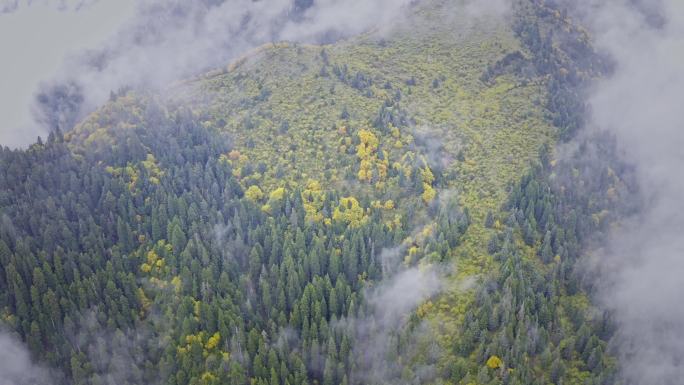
{"x": 222, "y": 233}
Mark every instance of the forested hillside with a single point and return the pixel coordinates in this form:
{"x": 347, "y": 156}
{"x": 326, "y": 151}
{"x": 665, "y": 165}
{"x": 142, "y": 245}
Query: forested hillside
{"x": 385, "y": 209}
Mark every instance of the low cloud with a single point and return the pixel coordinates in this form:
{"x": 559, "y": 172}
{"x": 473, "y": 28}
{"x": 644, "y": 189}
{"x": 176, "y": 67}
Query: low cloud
{"x": 641, "y": 270}
{"x": 394, "y": 299}
{"x": 388, "y": 310}
{"x": 16, "y": 366}
{"x": 35, "y": 39}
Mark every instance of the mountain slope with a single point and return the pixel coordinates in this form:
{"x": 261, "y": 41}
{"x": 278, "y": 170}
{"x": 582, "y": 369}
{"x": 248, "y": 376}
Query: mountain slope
{"x": 362, "y": 212}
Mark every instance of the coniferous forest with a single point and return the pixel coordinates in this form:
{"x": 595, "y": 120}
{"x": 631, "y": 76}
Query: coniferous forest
{"x": 404, "y": 208}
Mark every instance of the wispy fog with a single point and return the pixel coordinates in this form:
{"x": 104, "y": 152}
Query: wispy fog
{"x": 16, "y": 366}
{"x": 642, "y": 270}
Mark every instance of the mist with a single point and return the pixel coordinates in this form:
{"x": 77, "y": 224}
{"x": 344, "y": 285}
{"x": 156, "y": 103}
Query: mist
{"x": 93, "y": 48}
{"x": 641, "y": 269}
{"x": 35, "y": 39}
{"x": 388, "y": 309}
{"x": 16, "y": 366}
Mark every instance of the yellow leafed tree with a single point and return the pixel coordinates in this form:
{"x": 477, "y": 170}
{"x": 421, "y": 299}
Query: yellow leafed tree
{"x": 254, "y": 193}
{"x": 350, "y": 212}
{"x": 494, "y": 362}
{"x": 428, "y": 193}
{"x": 213, "y": 341}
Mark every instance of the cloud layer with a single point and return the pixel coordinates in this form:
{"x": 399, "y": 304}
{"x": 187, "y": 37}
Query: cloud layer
{"x": 640, "y": 103}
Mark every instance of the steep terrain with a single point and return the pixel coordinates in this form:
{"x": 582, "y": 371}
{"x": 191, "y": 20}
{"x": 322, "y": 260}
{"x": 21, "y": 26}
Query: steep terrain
{"x": 384, "y": 209}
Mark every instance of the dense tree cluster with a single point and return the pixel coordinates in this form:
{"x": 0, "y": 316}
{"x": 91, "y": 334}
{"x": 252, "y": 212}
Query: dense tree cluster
{"x": 531, "y": 315}
{"x": 156, "y": 237}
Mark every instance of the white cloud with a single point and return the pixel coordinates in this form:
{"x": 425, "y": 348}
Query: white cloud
{"x": 641, "y": 104}
{"x": 16, "y": 367}
{"x": 34, "y": 40}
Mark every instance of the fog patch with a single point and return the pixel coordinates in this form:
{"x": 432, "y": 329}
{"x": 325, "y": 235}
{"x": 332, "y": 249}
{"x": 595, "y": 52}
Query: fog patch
{"x": 387, "y": 320}
{"x": 640, "y": 271}
{"x": 16, "y": 365}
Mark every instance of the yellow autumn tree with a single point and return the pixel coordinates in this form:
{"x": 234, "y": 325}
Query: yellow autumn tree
{"x": 313, "y": 197}
{"x": 213, "y": 341}
{"x": 254, "y": 193}
{"x": 277, "y": 194}
{"x": 154, "y": 262}
{"x": 427, "y": 175}
{"x": 368, "y": 144}
{"x": 208, "y": 378}
{"x": 273, "y": 198}
{"x": 366, "y": 151}
{"x": 494, "y": 362}
{"x": 176, "y": 282}
{"x": 349, "y": 212}
{"x": 365, "y": 171}
{"x": 428, "y": 193}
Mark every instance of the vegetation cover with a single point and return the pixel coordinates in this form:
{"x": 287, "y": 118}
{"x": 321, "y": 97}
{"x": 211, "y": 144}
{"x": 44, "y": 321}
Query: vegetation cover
{"x": 247, "y": 226}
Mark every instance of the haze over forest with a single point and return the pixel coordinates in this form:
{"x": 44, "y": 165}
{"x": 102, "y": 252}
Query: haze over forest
{"x": 346, "y": 192}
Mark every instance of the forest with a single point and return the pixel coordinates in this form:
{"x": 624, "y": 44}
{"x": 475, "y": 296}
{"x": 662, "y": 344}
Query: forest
{"x": 335, "y": 214}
